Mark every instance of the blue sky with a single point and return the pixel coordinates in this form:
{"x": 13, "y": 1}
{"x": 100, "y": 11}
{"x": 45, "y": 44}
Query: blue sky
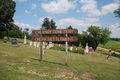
{"x": 80, "y": 14}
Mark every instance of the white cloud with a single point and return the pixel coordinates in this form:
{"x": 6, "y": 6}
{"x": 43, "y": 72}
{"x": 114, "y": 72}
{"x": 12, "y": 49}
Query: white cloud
{"x": 27, "y": 12}
{"x": 33, "y": 6}
{"x": 41, "y": 19}
{"x": 91, "y": 20}
{"x": 21, "y": 0}
{"x": 35, "y": 15}
{"x": 115, "y": 29}
{"x": 90, "y": 7}
{"x": 75, "y": 23}
{"x": 59, "y": 6}
{"x": 23, "y": 26}
{"x": 109, "y": 8}
{"x": 77, "y": 10}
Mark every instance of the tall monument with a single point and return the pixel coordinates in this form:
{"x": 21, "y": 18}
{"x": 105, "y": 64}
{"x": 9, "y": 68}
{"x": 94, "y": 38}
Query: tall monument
{"x": 25, "y": 39}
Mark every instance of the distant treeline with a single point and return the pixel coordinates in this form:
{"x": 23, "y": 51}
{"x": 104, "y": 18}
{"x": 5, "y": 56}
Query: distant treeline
{"x": 115, "y": 39}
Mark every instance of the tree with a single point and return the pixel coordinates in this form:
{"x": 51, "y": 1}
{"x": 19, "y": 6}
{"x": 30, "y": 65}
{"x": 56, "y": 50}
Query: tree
{"x": 117, "y": 12}
{"x": 52, "y": 24}
{"x": 16, "y": 28}
{"x": 7, "y": 10}
{"x": 48, "y": 24}
{"x": 95, "y": 36}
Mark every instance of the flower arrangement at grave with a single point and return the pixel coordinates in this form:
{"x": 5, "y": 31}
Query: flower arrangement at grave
{"x": 62, "y": 48}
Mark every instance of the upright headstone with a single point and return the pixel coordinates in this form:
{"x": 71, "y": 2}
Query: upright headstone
{"x": 109, "y": 55}
{"x": 50, "y": 45}
{"x": 91, "y": 50}
{"x": 71, "y": 48}
{"x": 38, "y": 45}
{"x": 15, "y": 43}
{"x": 86, "y": 48}
{"x": 76, "y": 48}
{"x": 25, "y": 39}
{"x": 34, "y": 43}
{"x": 30, "y": 43}
{"x": 80, "y": 44}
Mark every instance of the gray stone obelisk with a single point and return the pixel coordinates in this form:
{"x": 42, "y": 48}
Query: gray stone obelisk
{"x": 110, "y": 55}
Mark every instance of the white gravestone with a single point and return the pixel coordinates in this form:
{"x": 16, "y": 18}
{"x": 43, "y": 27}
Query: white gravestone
{"x": 71, "y": 48}
{"x": 30, "y": 43}
{"x": 50, "y": 45}
{"x": 86, "y": 48}
{"x": 34, "y": 43}
{"x": 25, "y": 39}
{"x": 80, "y": 44}
{"x": 38, "y": 45}
{"x": 76, "y": 48}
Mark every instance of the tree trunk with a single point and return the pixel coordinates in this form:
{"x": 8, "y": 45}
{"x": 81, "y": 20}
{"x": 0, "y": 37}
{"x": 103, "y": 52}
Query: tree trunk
{"x": 7, "y": 34}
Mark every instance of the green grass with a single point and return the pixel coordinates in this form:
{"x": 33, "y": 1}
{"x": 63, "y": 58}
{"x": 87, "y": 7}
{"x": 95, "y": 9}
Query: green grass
{"x": 22, "y": 63}
{"x": 114, "y": 44}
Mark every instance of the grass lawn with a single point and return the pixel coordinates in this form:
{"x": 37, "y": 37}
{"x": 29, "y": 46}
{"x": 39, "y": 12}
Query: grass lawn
{"x": 114, "y": 44}
{"x": 22, "y": 63}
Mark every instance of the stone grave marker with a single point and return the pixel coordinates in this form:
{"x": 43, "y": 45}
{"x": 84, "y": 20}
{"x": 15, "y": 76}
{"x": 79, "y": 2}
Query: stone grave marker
{"x": 59, "y": 44}
{"x": 80, "y": 44}
{"x": 15, "y": 43}
{"x": 25, "y": 39}
{"x": 86, "y": 48}
{"x": 109, "y": 55}
{"x": 71, "y": 48}
{"x": 34, "y": 43}
{"x": 31, "y": 43}
{"x": 38, "y": 45}
{"x": 91, "y": 50}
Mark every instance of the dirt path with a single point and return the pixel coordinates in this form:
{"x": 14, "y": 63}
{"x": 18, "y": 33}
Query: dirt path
{"x": 107, "y": 50}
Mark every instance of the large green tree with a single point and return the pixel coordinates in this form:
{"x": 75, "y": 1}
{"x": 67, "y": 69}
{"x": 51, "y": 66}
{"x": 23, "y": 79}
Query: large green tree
{"x": 7, "y": 10}
{"x": 117, "y": 12}
{"x": 95, "y": 36}
{"x": 48, "y": 24}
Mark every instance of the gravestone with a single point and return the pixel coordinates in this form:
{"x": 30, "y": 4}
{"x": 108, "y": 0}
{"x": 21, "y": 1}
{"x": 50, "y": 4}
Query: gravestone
{"x": 86, "y": 48}
{"x": 59, "y": 44}
{"x": 34, "y": 43}
{"x": 91, "y": 50}
{"x": 25, "y": 39}
{"x": 15, "y": 43}
{"x": 31, "y": 43}
{"x": 109, "y": 55}
{"x": 80, "y": 44}
{"x": 76, "y": 48}
{"x": 71, "y": 48}
{"x": 50, "y": 45}
{"x": 38, "y": 45}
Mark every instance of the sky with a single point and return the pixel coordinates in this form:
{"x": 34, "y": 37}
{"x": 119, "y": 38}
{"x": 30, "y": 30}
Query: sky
{"x": 80, "y": 14}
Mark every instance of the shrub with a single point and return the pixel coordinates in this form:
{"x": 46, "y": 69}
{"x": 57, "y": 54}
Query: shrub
{"x": 81, "y": 51}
